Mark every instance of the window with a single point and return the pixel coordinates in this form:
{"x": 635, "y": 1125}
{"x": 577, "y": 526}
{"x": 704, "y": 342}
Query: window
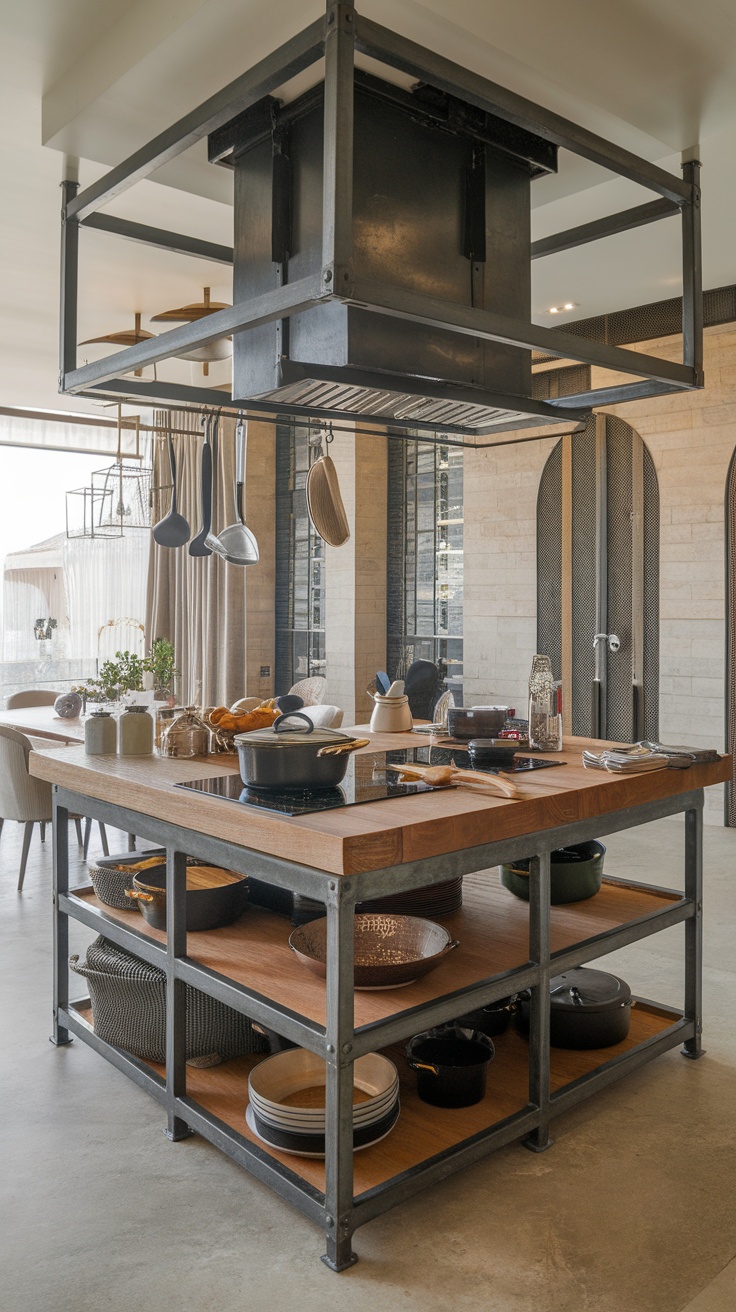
{"x": 425, "y": 580}
{"x": 300, "y": 566}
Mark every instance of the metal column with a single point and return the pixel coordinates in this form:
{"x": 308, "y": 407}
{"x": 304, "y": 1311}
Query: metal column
{"x": 59, "y": 1033}
{"x": 600, "y": 640}
{"x": 539, "y": 951}
{"x": 337, "y": 193}
{"x": 339, "y": 1220}
{"x": 692, "y": 274}
{"x": 69, "y": 287}
{"x": 694, "y": 929}
{"x": 176, "y": 992}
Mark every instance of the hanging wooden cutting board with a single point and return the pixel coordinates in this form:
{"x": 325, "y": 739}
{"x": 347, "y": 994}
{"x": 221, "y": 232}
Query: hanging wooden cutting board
{"x": 324, "y": 503}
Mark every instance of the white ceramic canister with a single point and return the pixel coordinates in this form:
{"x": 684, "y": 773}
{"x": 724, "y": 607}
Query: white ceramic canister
{"x": 100, "y": 734}
{"x": 135, "y": 732}
{"x": 391, "y": 715}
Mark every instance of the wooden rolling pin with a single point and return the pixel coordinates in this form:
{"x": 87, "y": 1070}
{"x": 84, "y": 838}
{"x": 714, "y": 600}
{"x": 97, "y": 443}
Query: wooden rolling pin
{"x": 442, "y": 775}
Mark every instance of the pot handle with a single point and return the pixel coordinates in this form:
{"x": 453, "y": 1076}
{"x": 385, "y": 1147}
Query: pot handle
{"x": 279, "y": 724}
{"x": 422, "y": 1066}
{"x": 343, "y": 749}
{"x": 139, "y": 897}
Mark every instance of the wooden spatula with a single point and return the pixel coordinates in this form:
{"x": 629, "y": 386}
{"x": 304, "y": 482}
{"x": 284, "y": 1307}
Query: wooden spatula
{"x": 442, "y": 775}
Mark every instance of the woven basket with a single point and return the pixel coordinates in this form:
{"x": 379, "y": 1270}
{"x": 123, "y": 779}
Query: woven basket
{"x": 129, "y": 1010}
{"x": 110, "y": 884}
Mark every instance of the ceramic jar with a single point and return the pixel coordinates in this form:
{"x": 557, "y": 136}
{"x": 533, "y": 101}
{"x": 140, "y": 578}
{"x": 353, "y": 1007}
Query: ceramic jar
{"x": 135, "y": 732}
{"x": 391, "y": 715}
{"x": 100, "y": 734}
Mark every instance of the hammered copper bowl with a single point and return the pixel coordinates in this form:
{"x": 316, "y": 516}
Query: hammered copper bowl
{"x": 389, "y": 950}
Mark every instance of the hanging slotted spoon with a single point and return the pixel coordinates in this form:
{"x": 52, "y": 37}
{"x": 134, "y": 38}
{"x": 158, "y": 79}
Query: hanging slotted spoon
{"x": 237, "y": 543}
{"x": 212, "y": 541}
{"x": 173, "y": 529}
{"x": 198, "y": 546}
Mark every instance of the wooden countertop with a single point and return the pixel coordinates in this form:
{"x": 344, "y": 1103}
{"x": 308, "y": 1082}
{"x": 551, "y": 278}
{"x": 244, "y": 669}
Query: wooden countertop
{"x": 378, "y": 834}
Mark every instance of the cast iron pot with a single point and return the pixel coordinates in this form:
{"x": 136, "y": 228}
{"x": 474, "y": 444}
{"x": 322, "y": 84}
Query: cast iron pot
{"x": 207, "y": 908}
{"x": 588, "y": 1009}
{"x": 290, "y": 757}
{"x": 576, "y": 873}
{"x": 451, "y": 1065}
{"x": 491, "y": 1020}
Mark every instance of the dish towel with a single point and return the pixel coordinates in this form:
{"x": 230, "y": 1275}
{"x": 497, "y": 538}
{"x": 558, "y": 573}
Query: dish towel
{"x": 648, "y": 755}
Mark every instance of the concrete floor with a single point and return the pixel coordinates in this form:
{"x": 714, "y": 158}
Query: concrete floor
{"x": 632, "y": 1210}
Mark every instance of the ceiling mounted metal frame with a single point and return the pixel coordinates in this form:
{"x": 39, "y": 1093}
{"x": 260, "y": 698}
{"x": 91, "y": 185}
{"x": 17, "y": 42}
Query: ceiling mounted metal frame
{"x": 336, "y": 38}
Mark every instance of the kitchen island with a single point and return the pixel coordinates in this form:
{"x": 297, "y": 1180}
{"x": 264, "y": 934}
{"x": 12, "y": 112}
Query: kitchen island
{"x": 341, "y": 857}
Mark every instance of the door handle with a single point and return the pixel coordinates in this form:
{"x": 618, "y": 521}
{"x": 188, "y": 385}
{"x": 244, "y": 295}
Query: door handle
{"x": 612, "y": 641}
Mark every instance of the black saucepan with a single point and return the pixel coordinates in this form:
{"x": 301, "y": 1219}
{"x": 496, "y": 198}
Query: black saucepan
{"x": 451, "y": 1065}
{"x": 219, "y": 899}
{"x": 491, "y": 1020}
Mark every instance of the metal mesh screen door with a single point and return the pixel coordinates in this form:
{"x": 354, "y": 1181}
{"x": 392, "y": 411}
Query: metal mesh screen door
{"x": 598, "y": 579}
{"x": 730, "y": 816}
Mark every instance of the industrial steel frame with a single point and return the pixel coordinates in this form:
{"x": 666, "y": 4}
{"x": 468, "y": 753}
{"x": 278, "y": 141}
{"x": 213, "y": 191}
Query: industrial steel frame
{"x": 337, "y": 1211}
{"x": 337, "y": 38}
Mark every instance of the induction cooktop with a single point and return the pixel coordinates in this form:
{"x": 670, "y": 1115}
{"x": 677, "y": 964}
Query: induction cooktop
{"x": 367, "y": 780}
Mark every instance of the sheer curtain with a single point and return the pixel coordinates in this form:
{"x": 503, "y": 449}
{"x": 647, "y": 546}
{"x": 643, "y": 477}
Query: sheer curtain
{"x": 198, "y": 603}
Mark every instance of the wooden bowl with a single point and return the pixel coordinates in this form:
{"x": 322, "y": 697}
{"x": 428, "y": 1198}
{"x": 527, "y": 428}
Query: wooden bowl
{"x": 390, "y": 951}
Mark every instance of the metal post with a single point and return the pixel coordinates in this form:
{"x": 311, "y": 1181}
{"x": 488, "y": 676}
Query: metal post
{"x": 69, "y": 284}
{"x": 59, "y": 1033}
{"x": 339, "y": 1222}
{"x": 599, "y": 726}
{"x": 692, "y": 274}
{"x": 176, "y": 991}
{"x": 694, "y": 929}
{"x": 539, "y": 949}
{"x": 337, "y": 193}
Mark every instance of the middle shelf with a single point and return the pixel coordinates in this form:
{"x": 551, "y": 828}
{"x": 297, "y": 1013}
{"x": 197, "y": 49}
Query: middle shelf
{"x": 492, "y": 927}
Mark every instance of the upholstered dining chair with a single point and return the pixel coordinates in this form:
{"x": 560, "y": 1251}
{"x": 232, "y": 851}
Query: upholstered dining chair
{"x": 24, "y": 798}
{"x": 30, "y": 697}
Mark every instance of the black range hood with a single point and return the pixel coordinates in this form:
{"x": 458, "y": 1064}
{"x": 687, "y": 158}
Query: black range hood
{"x": 441, "y": 207}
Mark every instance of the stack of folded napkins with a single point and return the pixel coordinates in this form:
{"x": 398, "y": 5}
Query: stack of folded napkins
{"x": 648, "y": 756}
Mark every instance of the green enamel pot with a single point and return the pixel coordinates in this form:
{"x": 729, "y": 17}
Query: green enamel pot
{"x": 576, "y": 873}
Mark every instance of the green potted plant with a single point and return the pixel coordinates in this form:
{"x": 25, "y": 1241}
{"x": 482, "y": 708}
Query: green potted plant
{"x": 161, "y": 664}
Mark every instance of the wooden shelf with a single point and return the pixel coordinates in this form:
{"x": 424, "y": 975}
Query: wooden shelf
{"x": 421, "y": 1131}
{"x": 492, "y": 928}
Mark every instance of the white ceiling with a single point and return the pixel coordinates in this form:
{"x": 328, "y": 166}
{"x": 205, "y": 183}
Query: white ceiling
{"x": 97, "y": 78}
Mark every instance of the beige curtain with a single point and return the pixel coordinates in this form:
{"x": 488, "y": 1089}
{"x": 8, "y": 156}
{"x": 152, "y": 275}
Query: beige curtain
{"x": 198, "y": 603}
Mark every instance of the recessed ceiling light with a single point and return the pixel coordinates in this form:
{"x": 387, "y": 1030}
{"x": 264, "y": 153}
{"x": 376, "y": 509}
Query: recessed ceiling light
{"x": 560, "y": 309}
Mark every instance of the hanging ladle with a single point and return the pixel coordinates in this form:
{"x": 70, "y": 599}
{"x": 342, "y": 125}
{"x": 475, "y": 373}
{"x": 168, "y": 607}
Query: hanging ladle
{"x": 237, "y": 544}
{"x": 198, "y": 546}
{"x": 173, "y": 529}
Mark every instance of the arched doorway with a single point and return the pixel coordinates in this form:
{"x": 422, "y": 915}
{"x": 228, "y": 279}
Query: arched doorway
{"x": 598, "y": 579}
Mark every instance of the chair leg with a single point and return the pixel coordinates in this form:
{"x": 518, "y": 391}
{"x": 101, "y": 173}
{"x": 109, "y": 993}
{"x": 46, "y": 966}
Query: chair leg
{"x": 43, "y": 830}
{"x": 78, "y": 827}
{"x": 27, "y": 835}
{"x": 87, "y": 835}
{"x": 103, "y": 839}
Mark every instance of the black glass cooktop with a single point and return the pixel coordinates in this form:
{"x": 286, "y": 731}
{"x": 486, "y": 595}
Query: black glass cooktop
{"x": 367, "y": 780}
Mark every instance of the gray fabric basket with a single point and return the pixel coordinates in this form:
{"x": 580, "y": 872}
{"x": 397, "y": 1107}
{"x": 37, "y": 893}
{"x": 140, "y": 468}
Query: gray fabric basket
{"x": 128, "y": 999}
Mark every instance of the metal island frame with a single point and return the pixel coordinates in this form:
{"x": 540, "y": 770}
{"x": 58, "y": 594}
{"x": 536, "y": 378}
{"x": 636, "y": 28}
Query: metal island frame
{"x": 345, "y": 1025}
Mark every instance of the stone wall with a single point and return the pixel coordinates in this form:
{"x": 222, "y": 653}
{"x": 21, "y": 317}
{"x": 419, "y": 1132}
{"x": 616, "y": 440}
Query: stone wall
{"x": 691, "y": 437}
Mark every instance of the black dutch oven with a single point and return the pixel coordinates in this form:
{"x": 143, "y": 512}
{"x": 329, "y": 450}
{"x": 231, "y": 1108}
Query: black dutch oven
{"x": 576, "y": 873}
{"x": 588, "y": 1009}
{"x": 491, "y": 1020}
{"x": 451, "y": 1065}
{"x": 291, "y": 757}
{"x": 213, "y": 897}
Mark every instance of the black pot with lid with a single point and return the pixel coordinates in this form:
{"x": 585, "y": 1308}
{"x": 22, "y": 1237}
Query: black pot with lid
{"x": 588, "y": 1009}
{"x": 294, "y": 756}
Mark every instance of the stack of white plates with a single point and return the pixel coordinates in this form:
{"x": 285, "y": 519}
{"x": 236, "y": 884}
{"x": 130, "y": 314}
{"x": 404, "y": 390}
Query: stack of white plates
{"x": 287, "y": 1101}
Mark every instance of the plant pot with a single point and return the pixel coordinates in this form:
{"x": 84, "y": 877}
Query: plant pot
{"x": 572, "y": 880}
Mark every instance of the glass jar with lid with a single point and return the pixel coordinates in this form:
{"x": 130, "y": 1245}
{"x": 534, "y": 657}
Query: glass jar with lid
{"x": 545, "y": 724}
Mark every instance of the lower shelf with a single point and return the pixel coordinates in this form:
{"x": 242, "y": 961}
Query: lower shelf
{"x": 421, "y": 1131}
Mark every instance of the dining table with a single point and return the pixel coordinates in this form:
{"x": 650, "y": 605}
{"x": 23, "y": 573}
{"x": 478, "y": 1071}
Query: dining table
{"x": 43, "y": 722}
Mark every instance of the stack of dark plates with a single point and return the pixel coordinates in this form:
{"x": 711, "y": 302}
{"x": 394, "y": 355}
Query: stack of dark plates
{"x": 286, "y": 1106}
{"x": 436, "y": 900}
